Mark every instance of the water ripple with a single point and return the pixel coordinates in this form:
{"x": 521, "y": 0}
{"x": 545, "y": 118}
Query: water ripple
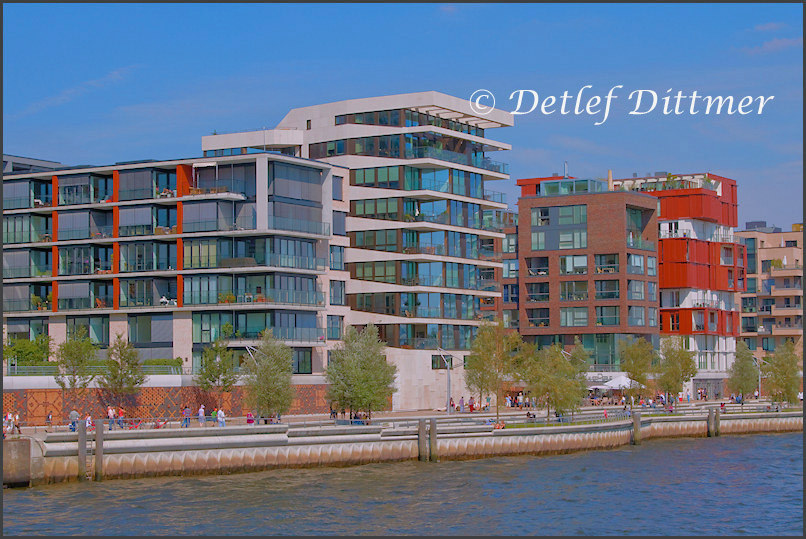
{"x": 732, "y": 485}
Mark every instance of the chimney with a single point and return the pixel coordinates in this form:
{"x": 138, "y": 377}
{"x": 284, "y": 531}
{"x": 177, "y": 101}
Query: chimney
{"x": 609, "y": 179}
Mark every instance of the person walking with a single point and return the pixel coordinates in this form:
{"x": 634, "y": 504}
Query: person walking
{"x": 110, "y": 413}
{"x": 17, "y": 422}
{"x": 73, "y": 419}
{"x": 121, "y": 414}
{"x": 185, "y": 416}
{"x": 221, "y": 417}
{"x": 49, "y": 420}
{"x": 201, "y": 415}
{"x": 471, "y": 403}
{"x": 462, "y": 404}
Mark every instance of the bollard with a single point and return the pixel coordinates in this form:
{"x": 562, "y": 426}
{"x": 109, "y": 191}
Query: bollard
{"x": 636, "y": 428}
{"x": 710, "y": 423}
{"x": 82, "y": 450}
{"x": 717, "y": 413}
{"x": 432, "y": 441}
{"x": 99, "y": 450}
{"x": 422, "y": 442}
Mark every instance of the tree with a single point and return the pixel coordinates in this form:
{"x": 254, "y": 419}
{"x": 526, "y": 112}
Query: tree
{"x": 124, "y": 374}
{"x": 675, "y": 366}
{"x": 491, "y": 360}
{"x": 73, "y": 357}
{"x": 217, "y": 371}
{"x": 359, "y": 377}
{"x": 553, "y": 375}
{"x": 267, "y": 380}
{"x": 636, "y": 361}
{"x": 743, "y": 374}
{"x": 781, "y": 370}
{"x": 28, "y": 352}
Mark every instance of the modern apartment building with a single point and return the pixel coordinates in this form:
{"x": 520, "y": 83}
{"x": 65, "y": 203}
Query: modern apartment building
{"x": 168, "y": 253}
{"x": 417, "y": 249}
{"x": 701, "y": 266}
{"x": 772, "y": 305}
{"x": 586, "y": 265}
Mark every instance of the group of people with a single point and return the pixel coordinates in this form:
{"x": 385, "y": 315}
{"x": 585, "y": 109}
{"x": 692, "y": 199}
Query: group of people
{"x": 520, "y": 401}
{"x": 11, "y": 422}
{"x": 471, "y": 406}
{"x": 115, "y": 415}
{"x": 216, "y": 416}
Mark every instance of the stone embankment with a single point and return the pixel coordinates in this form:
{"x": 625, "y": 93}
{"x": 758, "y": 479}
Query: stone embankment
{"x": 69, "y": 456}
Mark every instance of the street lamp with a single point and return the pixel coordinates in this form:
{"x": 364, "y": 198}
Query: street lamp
{"x": 758, "y": 361}
{"x": 448, "y": 366}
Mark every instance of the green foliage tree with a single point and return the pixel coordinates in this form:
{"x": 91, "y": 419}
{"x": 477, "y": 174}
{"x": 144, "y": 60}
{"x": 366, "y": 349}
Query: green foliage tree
{"x": 491, "y": 361}
{"x": 267, "y": 377}
{"x": 781, "y": 370}
{"x": 675, "y": 366}
{"x": 636, "y": 361}
{"x": 124, "y": 375}
{"x": 28, "y": 352}
{"x": 73, "y": 357}
{"x": 217, "y": 370}
{"x": 358, "y": 375}
{"x": 552, "y": 375}
{"x": 743, "y": 374}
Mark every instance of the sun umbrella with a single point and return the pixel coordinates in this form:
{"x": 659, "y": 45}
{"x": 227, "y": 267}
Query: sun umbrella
{"x": 622, "y": 382}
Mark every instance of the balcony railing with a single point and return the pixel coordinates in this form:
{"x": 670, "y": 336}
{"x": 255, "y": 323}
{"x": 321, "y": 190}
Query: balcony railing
{"x": 21, "y": 272}
{"x": 495, "y": 196}
{"x": 158, "y": 264}
{"x": 136, "y": 230}
{"x": 607, "y": 294}
{"x": 18, "y": 305}
{"x": 51, "y": 370}
{"x": 16, "y": 203}
{"x": 538, "y": 322}
{"x": 284, "y": 297}
{"x": 137, "y": 194}
{"x": 27, "y": 236}
{"x": 570, "y": 296}
{"x": 607, "y": 268}
{"x": 66, "y": 304}
{"x": 298, "y": 262}
{"x": 420, "y": 343}
{"x": 221, "y": 186}
{"x": 486, "y": 254}
{"x": 424, "y": 249}
{"x": 537, "y": 272}
{"x": 488, "y": 285}
{"x": 639, "y": 243}
{"x": 537, "y": 296}
{"x": 286, "y": 334}
{"x": 299, "y": 225}
{"x": 478, "y": 161}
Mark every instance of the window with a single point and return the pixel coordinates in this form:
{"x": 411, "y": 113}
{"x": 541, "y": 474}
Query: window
{"x": 338, "y": 182}
{"x": 653, "y": 317}
{"x": 573, "y": 316}
{"x": 674, "y": 322}
{"x": 510, "y": 243}
{"x": 607, "y": 316}
{"x": 307, "y": 124}
{"x": 510, "y": 269}
{"x": 635, "y": 316}
{"x": 573, "y": 290}
{"x": 574, "y": 239}
{"x": 337, "y": 292}
{"x": 751, "y": 284}
{"x": 510, "y": 293}
{"x": 573, "y": 215}
{"x": 336, "y": 257}
{"x": 538, "y": 241}
{"x": 651, "y": 265}
{"x": 574, "y": 265}
{"x": 540, "y": 216}
{"x": 334, "y": 327}
{"x": 652, "y": 291}
{"x": 606, "y": 263}
{"x": 339, "y": 223}
{"x": 538, "y": 317}
{"x": 635, "y": 264}
{"x": 537, "y": 291}
{"x": 301, "y": 361}
{"x": 635, "y": 290}
{"x": 607, "y": 289}
{"x": 140, "y": 329}
{"x": 438, "y": 363}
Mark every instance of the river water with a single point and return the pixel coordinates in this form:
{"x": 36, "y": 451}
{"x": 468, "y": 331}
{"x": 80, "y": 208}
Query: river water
{"x": 730, "y": 485}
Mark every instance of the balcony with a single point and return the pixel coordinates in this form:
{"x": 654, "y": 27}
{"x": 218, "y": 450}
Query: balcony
{"x": 495, "y": 196}
{"x": 27, "y": 236}
{"x": 298, "y": 262}
{"x": 219, "y": 225}
{"x": 573, "y": 296}
{"x": 538, "y": 322}
{"x": 158, "y": 264}
{"x": 23, "y": 305}
{"x": 298, "y": 225}
{"x": 425, "y": 249}
{"x": 22, "y": 272}
{"x": 791, "y": 290}
{"x": 135, "y": 230}
{"x": 537, "y": 272}
{"x": 269, "y": 296}
{"x": 639, "y": 243}
{"x": 537, "y": 296}
{"x": 488, "y": 285}
{"x": 16, "y": 203}
{"x": 786, "y": 310}
{"x": 312, "y": 335}
{"x": 221, "y": 186}
{"x": 478, "y": 161}
{"x": 607, "y": 294}
{"x": 486, "y": 254}
{"x": 787, "y": 329}
{"x": 69, "y": 304}
{"x": 420, "y": 343}
{"x": 137, "y": 194}
{"x": 791, "y": 270}
{"x": 607, "y": 268}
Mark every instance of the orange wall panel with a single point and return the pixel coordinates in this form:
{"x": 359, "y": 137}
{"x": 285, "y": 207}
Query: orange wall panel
{"x": 54, "y": 257}
{"x": 184, "y": 177}
{"x": 55, "y": 289}
{"x": 115, "y": 186}
{"x": 116, "y": 222}
{"x": 115, "y": 293}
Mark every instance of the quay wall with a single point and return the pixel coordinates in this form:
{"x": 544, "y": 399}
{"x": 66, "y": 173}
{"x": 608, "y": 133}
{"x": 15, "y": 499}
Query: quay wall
{"x": 244, "y": 449}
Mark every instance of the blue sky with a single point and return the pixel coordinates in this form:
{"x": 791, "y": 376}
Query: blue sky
{"x": 100, "y": 83}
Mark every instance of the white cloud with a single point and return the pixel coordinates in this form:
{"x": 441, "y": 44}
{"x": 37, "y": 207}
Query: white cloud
{"x": 69, "y": 94}
{"x": 770, "y": 26}
{"x": 775, "y": 45}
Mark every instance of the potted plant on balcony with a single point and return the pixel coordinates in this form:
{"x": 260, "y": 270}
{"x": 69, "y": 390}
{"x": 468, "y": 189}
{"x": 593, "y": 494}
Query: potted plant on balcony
{"x": 49, "y": 300}
{"x": 36, "y": 301}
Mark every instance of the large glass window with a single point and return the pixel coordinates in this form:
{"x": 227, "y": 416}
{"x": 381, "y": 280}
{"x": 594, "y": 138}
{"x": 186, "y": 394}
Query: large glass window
{"x": 635, "y": 264}
{"x": 538, "y": 241}
{"x": 573, "y": 290}
{"x": 607, "y": 289}
{"x": 635, "y": 315}
{"x": 573, "y": 316}
{"x": 574, "y": 239}
{"x": 301, "y": 361}
{"x": 607, "y": 316}
{"x": 635, "y": 290}
{"x": 651, "y": 265}
{"x": 537, "y": 291}
{"x": 337, "y": 292}
{"x": 607, "y": 263}
{"x": 334, "y": 327}
{"x": 573, "y": 215}
{"x": 336, "y": 257}
{"x": 540, "y": 217}
{"x": 573, "y": 265}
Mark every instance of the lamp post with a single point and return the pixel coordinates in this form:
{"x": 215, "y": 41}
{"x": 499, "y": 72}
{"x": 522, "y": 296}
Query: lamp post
{"x": 758, "y": 361}
{"x": 448, "y": 366}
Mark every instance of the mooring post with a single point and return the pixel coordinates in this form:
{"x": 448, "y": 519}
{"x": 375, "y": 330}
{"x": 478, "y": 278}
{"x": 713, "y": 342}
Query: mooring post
{"x": 710, "y": 423}
{"x": 717, "y": 413}
{"x": 422, "y": 441}
{"x": 82, "y": 451}
{"x": 432, "y": 441}
{"x": 99, "y": 449}
{"x": 636, "y": 428}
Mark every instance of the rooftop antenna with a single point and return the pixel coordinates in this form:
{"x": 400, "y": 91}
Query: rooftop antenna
{"x": 565, "y": 170}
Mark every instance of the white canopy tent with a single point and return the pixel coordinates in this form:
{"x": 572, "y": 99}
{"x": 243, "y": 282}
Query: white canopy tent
{"x": 622, "y": 382}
